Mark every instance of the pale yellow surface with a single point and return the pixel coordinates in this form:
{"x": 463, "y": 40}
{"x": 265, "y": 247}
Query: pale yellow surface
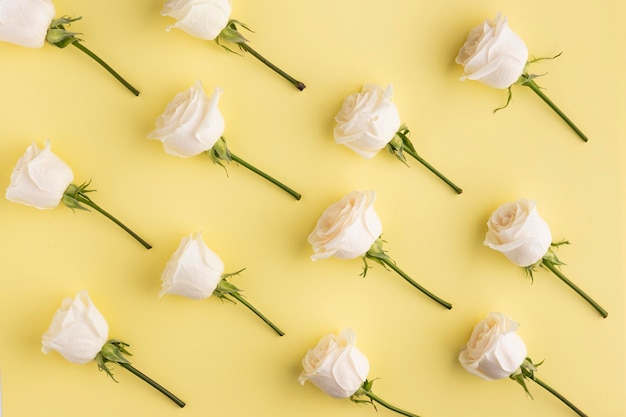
{"x": 218, "y": 357}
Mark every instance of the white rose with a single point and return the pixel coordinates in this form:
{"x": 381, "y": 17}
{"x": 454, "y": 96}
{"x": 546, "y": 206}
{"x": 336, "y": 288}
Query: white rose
{"x": 516, "y": 230}
{"x": 39, "y": 179}
{"x": 493, "y": 54}
{"x": 204, "y": 19}
{"x": 494, "y": 350}
{"x": 193, "y": 271}
{"x": 335, "y": 365}
{"x": 367, "y": 120}
{"x": 348, "y": 228}
{"x": 191, "y": 123}
{"x": 25, "y": 22}
{"x": 78, "y": 330}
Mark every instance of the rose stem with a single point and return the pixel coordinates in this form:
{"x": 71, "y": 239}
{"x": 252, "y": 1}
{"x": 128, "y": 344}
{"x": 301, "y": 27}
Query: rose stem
{"x": 533, "y": 86}
{"x": 243, "y": 301}
{"x": 559, "y": 396}
{"x": 573, "y": 286}
{"x": 432, "y": 169}
{"x": 298, "y": 84}
{"x": 393, "y": 266}
{"x": 385, "y": 404}
{"x": 152, "y": 382}
{"x": 94, "y": 206}
{"x": 274, "y": 181}
{"x": 96, "y": 58}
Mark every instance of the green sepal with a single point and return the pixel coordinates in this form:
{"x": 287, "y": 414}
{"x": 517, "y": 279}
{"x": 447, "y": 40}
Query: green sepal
{"x": 367, "y": 385}
{"x": 530, "y": 269}
{"x": 220, "y": 152}
{"x": 62, "y": 21}
{"x": 509, "y": 96}
{"x": 363, "y": 390}
{"x": 112, "y": 351}
{"x": 549, "y": 257}
{"x": 526, "y": 371}
{"x": 232, "y": 35}
{"x": 527, "y": 76}
{"x": 519, "y": 378}
{"x": 377, "y": 254}
{"x": 551, "y": 254}
{"x": 532, "y": 61}
{"x": 225, "y": 288}
{"x": 73, "y": 194}
{"x": 399, "y": 142}
{"x": 61, "y": 37}
{"x": 57, "y": 34}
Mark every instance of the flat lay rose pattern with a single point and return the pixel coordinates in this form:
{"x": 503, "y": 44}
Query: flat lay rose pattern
{"x": 366, "y": 122}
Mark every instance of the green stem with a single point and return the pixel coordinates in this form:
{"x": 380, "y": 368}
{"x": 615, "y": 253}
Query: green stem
{"x": 400, "y": 272}
{"x": 385, "y": 404}
{"x": 153, "y": 383}
{"x": 90, "y": 203}
{"x": 559, "y": 396}
{"x": 111, "y": 71}
{"x": 243, "y": 301}
{"x": 274, "y": 181}
{"x": 298, "y": 84}
{"x": 573, "y": 286}
{"x": 433, "y": 170}
{"x": 533, "y": 86}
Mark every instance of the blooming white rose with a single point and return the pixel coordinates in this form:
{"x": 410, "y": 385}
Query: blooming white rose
{"x": 78, "y": 330}
{"x": 517, "y": 230}
{"x": 367, "y": 120}
{"x": 25, "y": 22}
{"x": 335, "y": 365}
{"x": 493, "y": 54}
{"x": 191, "y": 123}
{"x": 494, "y": 350}
{"x": 348, "y": 228}
{"x": 39, "y": 179}
{"x": 204, "y": 19}
{"x": 193, "y": 271}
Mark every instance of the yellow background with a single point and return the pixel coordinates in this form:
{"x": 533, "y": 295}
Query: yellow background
{"x": 218, "y": 357}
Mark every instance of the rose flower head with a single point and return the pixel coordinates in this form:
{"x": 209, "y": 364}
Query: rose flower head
{"x": 493, "y": 54}
{"x": 191, "y": 123}
{"x": 25, "y": 22}
{"x": 494, "y": 350}
{"x": 348, "y": 228}
{"x": 39, "y": 178}
{"x": 338, "y": 368}
{"x": 367, "y": 121}
{"x": 335, "y": 365}
{"x": 193, "y": 271}
{"x": 517, "y": 231}
{"x": 203, "y": 19}
{"x": 78, "y": 330}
